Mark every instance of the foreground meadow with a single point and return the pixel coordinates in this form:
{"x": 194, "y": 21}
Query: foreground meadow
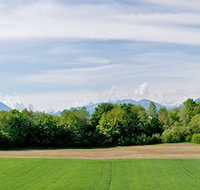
{"x": 46, "y": 173}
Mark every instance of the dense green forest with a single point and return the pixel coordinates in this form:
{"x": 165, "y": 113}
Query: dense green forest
{"x": 109, "y": 125}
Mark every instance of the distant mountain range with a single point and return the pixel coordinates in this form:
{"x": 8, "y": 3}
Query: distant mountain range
{"x": 4, "y": 107}
{"x": 144, "y": 103}
{"x": 197, "y": 100}
{"x": 91, "y": 106}
{"x": 18, "y": 106}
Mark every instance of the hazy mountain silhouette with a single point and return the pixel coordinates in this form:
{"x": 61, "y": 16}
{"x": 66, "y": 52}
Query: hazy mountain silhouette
{"x": 4, "y": 107}
{"x": 144, "y": 103}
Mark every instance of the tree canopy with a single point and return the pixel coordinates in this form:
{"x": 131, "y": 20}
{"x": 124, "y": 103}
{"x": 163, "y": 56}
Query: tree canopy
{"x": 109, "y": 125}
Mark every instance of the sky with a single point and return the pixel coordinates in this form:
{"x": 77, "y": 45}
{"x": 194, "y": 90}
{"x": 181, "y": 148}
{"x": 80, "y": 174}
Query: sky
{"x": 66, "y": 53}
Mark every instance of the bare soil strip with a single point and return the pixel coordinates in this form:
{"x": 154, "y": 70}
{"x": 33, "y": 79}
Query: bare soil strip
{"x": 150, "y": 151}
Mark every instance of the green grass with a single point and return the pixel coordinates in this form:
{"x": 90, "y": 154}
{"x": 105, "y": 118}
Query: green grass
{"x": 115, "y": 174}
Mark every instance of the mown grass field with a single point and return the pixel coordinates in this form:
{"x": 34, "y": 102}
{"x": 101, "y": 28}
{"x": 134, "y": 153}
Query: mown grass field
{"x": 41, "y": 173}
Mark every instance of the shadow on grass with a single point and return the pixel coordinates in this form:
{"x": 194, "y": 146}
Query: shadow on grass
{"x": 102, "y": 147}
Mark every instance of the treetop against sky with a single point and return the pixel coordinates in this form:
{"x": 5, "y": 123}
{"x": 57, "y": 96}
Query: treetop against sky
{"x": 58, "y": 54}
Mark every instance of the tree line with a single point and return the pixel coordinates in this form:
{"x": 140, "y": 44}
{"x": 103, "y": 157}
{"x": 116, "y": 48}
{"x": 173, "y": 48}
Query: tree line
{"x": 109, "y": 125}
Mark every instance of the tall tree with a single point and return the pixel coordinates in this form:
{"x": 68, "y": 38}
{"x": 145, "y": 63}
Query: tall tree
{"x": 76, "y": 121}
{"x": 194, "y": 124}
{"x": 190, "y": 105}
{"x": 99, "y": 110}
{"x": 152, "y": 112}
{"x": 163, "y": 116}
{"x": 110, "y": 126}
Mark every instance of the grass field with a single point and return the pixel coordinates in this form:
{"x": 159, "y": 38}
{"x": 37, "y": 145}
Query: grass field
{"x": 42, "y": 173}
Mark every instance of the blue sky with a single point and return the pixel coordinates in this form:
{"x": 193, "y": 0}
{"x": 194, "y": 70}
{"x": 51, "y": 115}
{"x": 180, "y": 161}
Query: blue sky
{"x": 63, "y": 53}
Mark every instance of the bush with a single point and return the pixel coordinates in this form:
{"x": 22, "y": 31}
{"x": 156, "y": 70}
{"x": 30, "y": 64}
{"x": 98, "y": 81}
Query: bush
{"x": 194, "y": 125}
{"x": 189, "y": 138}
{"x": 144, "y": 139}
{"x": 5, "y": 140}
{"x": 174, "y": 134}
{"x": 156, "y": 138}
{"x": 196, "y": 138}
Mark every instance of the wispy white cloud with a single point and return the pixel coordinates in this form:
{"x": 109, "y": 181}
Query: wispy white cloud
{"x": 190, "y": 5}
{"x": 180, "y": 92}
{"x": 172, "y": 57}
{"x": 65, "y": 49}
{"x": 73, "y": 76}
{"x": 43, "y": 20}
{"x": 94, "y": 60}
{"x": 59, "y": 100}
{"x": 108, "y": 94}
{"x": 80, "y": 103}
{"x": 12, "y": 101}
{"x": 143, "y": 90}
{"x": 161, "y": 18}
{"x": 65, "y": 76}
{"x": 161, "y": 97}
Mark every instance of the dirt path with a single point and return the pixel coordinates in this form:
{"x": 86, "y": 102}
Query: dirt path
{"x": 151, "y": 151}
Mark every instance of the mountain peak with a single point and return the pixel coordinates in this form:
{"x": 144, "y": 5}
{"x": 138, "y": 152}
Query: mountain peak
{"x": 4, "y": 107}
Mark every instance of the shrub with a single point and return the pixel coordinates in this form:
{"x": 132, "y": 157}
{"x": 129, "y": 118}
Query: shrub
{"x": 5, "y": 140}
{"x": 196, "y": 138}
{"x": 194, "y": 125}
{"x": 174, "y": 134}
{"x": 156, "y": 138}
{"x": 189, "y": 138}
